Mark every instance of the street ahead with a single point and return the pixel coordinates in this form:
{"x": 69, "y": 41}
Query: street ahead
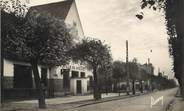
{"x": 139, "y": 103}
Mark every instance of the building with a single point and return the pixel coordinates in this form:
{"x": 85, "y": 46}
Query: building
{"x": 71, "y": 79}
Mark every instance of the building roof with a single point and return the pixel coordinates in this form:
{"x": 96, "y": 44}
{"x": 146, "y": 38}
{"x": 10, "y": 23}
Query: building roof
{"x": 57, "y": 9}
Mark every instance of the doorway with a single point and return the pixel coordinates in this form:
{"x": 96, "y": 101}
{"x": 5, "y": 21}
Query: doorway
{"x": 66, "y": 79}
{"x": 79, "y": 87}
{"x": 22, "y": 76}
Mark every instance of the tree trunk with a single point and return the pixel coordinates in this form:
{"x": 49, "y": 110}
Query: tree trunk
{"x": 106, "y": 86}
{"x": 180, "y": 85}
{"x": 182, "y": 75}
{"x": 180, "y": 37}
{"x": 115, "y": 88}
{"x": 150, "y": 85}
{"x": 39, "y": 86}
{"x": 96, "y": 93}
{"x": 2, "y": 80}
{"x": 141, "y": 86}
{"x": 133, "y": 87}
{"x": 2, "y": 69}
{"x": 127, "y": 87}
{"x": 119, "y": 87}
{"x": 1, "y": 72}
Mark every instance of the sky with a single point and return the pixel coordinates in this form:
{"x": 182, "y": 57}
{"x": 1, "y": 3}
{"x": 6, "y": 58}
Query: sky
{"x": 114, "y": 22}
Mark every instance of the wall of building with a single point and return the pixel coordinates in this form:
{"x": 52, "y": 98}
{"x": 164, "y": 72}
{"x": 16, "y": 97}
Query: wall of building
{"x": 78, "y": 66}
{"x": 73, "y": 87}
{"x": 73, "y": 18}
{"x": 57, "y": 78}
{"x": 9, "y": 72}
{"x": 56, "y": 81}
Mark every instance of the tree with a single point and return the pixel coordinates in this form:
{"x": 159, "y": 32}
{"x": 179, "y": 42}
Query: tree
{"x": 39, "y": 39}
{"x": 160, "y": 82}
{"x": 97, "y": 55}
{"x": 13, "y": 7}
{"x": 175, "y": 29}
{"x": 105, "y": 75}
{"x": 133, "y": 71}
{"x": 142, "y": 76}
{"x": 119, "y": 72}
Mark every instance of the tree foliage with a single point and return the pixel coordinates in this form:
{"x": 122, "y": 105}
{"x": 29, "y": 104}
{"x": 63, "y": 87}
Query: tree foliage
{"x": 12, "y": 17}
{"x": 143, "y": 75}
{"x": 93, "y": 51}
{"x": 41, "y": 37}
{"x": 119, "y": 70}
{"x": 13, "y": 7}
{"x": 105, "y": 77}
{"x": 160, "y": 82}
{"x": 133, "y": 69}
{"x": 97, "y": 55}
{"x": 135, "y": 72}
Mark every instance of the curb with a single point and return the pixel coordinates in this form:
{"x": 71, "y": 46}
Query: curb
{"x": 110, "y": 99}
{"x": 103, "y": 101}
{"x": 169, "y": 107}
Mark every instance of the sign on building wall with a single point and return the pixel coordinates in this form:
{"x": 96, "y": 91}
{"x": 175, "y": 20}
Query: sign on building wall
{"x": 74, "y": 67}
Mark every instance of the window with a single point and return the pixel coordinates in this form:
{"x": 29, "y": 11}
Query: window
{"x": 75, "y": 74}
{"x": 82, "y": 74}
{"x": 61, "y": 71}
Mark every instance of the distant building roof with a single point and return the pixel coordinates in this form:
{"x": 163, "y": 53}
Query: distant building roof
{"x": 57, "y": 9}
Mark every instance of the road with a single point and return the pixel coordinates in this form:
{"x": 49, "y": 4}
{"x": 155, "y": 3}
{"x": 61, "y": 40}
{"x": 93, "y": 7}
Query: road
{"x": 139, "y": 103}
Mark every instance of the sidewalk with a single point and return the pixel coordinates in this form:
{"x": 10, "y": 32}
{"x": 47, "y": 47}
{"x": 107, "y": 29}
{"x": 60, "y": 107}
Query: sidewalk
{"x": 70, "y": 99}
{"x": 177, "y": 104}
{"x": 62, "y": 103}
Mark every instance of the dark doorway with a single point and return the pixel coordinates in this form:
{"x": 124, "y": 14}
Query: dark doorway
{"x": 79, "y": 87}
{"x": 66, "y": 79}
{"x": 75, "y": 74}
{"x": 22, "y": 76}
{"x": 44, "y": 76}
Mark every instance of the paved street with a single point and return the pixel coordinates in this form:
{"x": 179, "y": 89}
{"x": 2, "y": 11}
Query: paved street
{"x": 84, "y": 103}
{"x": 62, "y": 103}
{"x": 139, "y": 103}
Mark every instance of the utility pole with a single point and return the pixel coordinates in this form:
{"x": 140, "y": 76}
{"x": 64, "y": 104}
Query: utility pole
{"x": 127, "y": 69}
{"x": 148, "y": 61}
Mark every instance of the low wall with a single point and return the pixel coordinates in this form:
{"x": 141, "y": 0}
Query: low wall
{"x": 19, "y": 93}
